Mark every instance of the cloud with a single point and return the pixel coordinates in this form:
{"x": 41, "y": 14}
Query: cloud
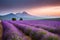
{"x": 27, "y": 3}
{"x": 24, "y": 4}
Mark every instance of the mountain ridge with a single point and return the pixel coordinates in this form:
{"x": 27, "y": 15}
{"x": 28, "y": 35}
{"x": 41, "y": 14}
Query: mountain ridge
{"x": 23, "y": 15}
{"x": 26, "y": 16}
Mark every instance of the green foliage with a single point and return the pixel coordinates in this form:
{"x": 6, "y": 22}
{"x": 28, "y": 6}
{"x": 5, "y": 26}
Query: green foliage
{"x": 42, "y": 33}
{"x": 37, "y": 36}
{"x": 51, "y": 30}
{"x": 28, "y": 31}
{"x": 33, "y": 35}
{"x": 14, "y": 19}
{"x": 53, "y": 38}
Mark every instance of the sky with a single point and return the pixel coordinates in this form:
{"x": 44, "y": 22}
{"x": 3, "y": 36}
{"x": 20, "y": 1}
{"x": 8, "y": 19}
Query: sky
{"x": 33, "y": 7}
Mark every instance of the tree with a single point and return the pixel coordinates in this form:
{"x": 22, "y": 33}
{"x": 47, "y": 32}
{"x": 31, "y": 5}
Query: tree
{"x": 21, "y": 18}
{"x": 14, "y": 19}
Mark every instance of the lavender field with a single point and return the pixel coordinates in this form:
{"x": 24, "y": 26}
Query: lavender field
{"x": 31, "y": 30}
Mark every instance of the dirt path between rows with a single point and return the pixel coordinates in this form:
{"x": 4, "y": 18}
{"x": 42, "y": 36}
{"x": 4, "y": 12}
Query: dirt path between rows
{"x": 1, "y": 30}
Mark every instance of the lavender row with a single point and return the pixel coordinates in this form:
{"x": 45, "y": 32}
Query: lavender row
{"x": 51, "y": 26}
{"x": 37, "y": 25}
{"x": 10, "y": 32}
{"x": 44, "y": 22}
{"x": 36, "y": 33}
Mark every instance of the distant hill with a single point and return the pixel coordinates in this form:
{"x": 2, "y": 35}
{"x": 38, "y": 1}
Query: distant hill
{"x": 8, "y": 16}
{"x": 55, "y": 19}
{"x": 23, "y": 15}
{"x": 26, "y": 16}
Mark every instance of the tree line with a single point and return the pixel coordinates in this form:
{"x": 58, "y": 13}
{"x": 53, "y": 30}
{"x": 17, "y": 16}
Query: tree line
{"x": 14, "y": 19}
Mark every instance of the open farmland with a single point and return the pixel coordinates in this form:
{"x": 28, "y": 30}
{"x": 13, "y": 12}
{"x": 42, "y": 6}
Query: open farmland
{"x": 31, "y": 30}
